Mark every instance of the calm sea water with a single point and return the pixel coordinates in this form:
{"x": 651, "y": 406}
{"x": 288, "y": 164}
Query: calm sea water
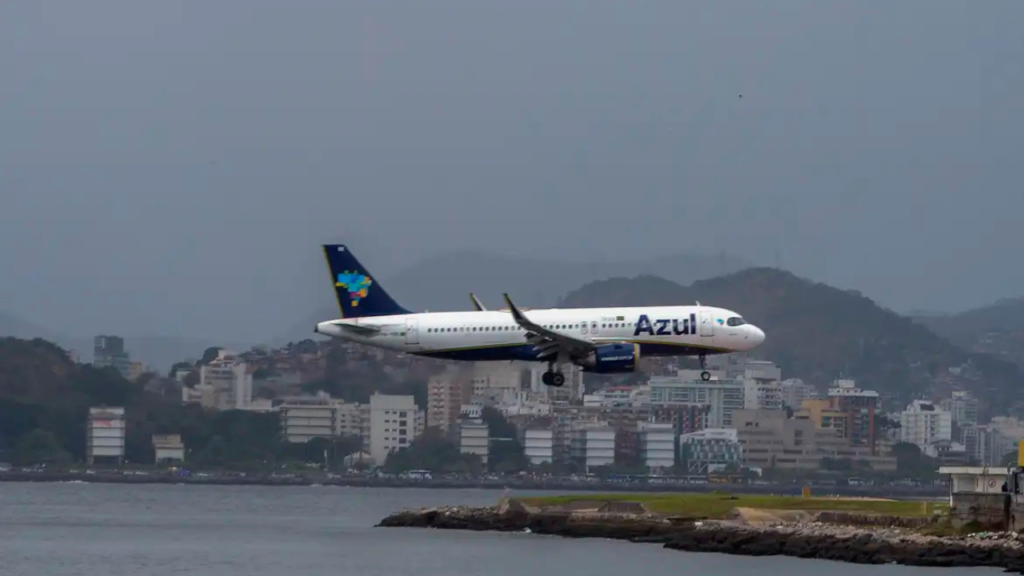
{"x": 88, "y": 529}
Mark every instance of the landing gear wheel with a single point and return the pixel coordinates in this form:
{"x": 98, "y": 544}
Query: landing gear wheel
{"x": 557, "y": 379}
{"x": 705, "y": 375}
{"x": 546, "y": 378}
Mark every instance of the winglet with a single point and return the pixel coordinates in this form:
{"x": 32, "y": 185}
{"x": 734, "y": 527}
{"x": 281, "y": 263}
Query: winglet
{"x": 514, "y": 310}
{"x": 476, "y": 303}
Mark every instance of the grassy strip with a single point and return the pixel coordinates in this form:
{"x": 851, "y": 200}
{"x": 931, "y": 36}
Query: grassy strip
{"x": 718, "y": 505}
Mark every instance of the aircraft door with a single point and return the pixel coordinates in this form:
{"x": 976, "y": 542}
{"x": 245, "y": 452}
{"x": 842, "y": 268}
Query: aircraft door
{"x": 593, "y": 327}
{"x": 583, "y": 327}
{"x": 707, "y": 324}
{"x": 412, "y": 331}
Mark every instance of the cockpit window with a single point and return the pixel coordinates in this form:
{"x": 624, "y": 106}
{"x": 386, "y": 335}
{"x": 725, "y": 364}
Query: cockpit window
{"x": 735, "y": 321}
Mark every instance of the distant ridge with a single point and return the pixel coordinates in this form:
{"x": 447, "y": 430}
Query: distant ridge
{"x": 160, "y": 352}
{"x": 819, "y": 333}
{"x": 996, "y": 329}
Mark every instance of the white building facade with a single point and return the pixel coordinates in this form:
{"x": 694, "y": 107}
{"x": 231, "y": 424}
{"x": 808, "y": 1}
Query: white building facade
{"x": 394, "y": 421}
{"x": 924, "y": 423}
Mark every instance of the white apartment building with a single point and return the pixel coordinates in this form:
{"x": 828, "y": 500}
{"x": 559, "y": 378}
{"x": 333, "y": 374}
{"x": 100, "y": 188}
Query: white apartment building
{"x": 592, "y": 445}
{"x": 657, "y": 443}
{"x": 923, "y": 423}
{"x": 394, "y": 421}
{"x": 962, "y": 407}
{"x": 491, "y": 380}
{"x": 794, "y": 391}
{"x": 762, "y": 394}
{"x": 474, "y": 438}
{"x": 761, "y": 370}
{"x": 539, "y": 445}
{"x": 225, "y": 383}
{"x": 721, "y": 398}
{"x": 353, "y": 420}
{"x": 446, "y": 393}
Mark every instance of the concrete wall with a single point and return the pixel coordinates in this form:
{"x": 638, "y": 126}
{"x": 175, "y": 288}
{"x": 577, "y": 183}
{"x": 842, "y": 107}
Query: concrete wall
{"x": 992, "y": 511}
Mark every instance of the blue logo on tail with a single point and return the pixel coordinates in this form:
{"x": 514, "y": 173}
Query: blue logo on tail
{"x": 358, "y": 285}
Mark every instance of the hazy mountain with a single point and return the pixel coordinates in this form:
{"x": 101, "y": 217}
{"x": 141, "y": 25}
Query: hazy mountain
{"x": 443, "y": 283}
{"x": 819, "y": 333}
{"x": 997, "y": 329}
{"x": 160, "y": 352}
{"x": 18, "y": 327}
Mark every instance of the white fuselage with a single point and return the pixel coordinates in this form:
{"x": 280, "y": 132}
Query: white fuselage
{"x": 494, "y": 334}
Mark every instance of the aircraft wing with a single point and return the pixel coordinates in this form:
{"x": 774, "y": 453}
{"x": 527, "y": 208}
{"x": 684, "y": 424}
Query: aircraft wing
{"x": 476, "y": 303}
{"x": 547, "y": 340}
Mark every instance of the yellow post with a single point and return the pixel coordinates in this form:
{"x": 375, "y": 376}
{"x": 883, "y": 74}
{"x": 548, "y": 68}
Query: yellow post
{"x": 1020, "y": 453}
{"x": 806, "y": 492}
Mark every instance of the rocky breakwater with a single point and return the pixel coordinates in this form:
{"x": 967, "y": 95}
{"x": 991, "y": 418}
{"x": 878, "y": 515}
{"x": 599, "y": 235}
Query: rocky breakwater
{"x": 819, "y": 540}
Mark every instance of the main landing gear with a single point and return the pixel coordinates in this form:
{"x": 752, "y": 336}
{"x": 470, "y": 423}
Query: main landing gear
{"x": 553, "y": 378}
{"x": 705, "y": 375}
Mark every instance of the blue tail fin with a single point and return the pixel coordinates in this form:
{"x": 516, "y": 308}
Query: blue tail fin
{"x": 358, "y": 294}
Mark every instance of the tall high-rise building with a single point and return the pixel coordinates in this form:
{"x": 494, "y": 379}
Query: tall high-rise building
{"x": 108, "y": 351}
{"x": 446, "y": 394}
{"x": 962, "y": 407}
{"x": 859, "y": 406}
{"x": 394, "y": 423}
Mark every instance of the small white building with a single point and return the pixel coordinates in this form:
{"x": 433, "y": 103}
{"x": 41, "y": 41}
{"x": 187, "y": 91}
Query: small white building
{"x": 975, "y": 479}
{"x": 168, "y": 448}
{"x": 474, "y": 438}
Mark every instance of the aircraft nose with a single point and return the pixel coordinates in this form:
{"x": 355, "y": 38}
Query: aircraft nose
{"x": 757, "y": 335}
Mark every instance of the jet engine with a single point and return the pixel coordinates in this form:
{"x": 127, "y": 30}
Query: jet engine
{"x": 612, "y": 358}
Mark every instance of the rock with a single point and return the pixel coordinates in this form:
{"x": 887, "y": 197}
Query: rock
{"x": 800, "y": 539}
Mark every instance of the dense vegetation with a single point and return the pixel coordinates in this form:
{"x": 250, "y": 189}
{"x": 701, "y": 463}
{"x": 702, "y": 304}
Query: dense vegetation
{"x": 819, "y": 333}
{"x": 45, "y": 400}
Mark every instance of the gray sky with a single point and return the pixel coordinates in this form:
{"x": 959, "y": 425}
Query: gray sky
{"x": 171, "y": 167}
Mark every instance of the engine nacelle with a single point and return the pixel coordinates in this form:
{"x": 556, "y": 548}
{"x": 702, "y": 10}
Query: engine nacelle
{"x": 612, "y": 358}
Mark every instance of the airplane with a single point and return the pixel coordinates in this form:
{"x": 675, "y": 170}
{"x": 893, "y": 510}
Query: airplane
{"x": 599, "y": 340}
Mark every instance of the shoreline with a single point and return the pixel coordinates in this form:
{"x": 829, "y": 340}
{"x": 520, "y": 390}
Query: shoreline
{"x": 819, "y": 539}
{"x": 511, "y": 483}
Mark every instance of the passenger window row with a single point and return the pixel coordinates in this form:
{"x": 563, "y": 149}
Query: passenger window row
{"x": 519, "y": 328}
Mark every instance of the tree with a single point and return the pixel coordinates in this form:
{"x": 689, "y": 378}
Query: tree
{"x": 209, "y": 355}
{"x": 433, "y": 452}
{"x": 40, "y": 447}
{"x": 912, "y": 463}
{"x": 178, "y": 366}
{"x": 506, "y": 453}
{"x": 191, "y": 379}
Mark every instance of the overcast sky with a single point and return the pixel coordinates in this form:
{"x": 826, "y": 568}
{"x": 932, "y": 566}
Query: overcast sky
{"x": 172, "y": 167}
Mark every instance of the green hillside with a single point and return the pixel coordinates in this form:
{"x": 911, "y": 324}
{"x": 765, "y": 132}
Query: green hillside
{"x": 45, "y": 400}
